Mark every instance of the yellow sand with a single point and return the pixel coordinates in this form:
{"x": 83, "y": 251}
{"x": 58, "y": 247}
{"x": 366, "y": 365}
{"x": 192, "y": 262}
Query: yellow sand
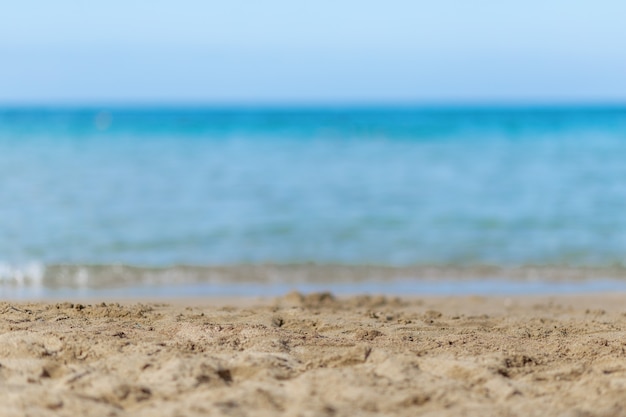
{"x": 316, "y": 356}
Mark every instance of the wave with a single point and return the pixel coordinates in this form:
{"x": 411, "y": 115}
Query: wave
{"x": 96, "y": 277}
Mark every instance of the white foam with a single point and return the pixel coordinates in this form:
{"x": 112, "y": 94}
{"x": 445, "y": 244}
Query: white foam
{"x": 28, "y": 275}
{"x": 82, "y": 278}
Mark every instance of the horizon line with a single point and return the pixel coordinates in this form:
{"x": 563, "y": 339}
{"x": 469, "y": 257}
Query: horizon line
{"x": 315, "y": 105}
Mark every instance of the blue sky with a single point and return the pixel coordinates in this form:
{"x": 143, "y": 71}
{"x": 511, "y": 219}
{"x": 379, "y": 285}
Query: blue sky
{"x": 312, "y": 52}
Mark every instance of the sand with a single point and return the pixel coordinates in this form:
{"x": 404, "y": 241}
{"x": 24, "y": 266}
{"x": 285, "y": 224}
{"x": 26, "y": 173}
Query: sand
{"x": 316, "y": 355}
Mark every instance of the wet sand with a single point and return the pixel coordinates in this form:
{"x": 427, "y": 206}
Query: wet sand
{"x": 316, "y": 355}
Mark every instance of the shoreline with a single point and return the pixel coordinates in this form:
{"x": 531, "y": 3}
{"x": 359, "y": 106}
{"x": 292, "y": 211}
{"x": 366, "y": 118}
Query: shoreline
{"x": 56, "y": 282}
{"x": 408, "y": 290}
{"x": 316, "y": 354}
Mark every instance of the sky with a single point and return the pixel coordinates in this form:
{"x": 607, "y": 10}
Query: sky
{"x": 312, "y": 52}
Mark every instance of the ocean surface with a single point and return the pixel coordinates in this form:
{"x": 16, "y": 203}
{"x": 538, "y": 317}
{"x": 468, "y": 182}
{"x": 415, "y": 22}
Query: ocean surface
{"x": 151, "y": 198}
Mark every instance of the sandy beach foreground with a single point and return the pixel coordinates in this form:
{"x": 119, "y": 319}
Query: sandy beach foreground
{"x": 316, "y": 355}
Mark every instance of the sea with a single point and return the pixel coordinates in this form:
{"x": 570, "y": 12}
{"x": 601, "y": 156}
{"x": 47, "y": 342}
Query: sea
{"x": 198, "y": 201}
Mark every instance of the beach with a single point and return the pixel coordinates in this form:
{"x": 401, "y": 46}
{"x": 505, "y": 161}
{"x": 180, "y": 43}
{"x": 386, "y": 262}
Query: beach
{"x": 316, "y": 354}
{"x": 330, "y": 209}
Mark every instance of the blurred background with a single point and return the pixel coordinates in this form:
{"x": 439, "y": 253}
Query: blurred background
{"x": 153, "y": 144}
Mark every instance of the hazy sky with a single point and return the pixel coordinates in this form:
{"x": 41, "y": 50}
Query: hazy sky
{"x": 342, "y": 51}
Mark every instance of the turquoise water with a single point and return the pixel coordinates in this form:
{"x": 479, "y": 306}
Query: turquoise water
{"x": 398, "y": 187}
